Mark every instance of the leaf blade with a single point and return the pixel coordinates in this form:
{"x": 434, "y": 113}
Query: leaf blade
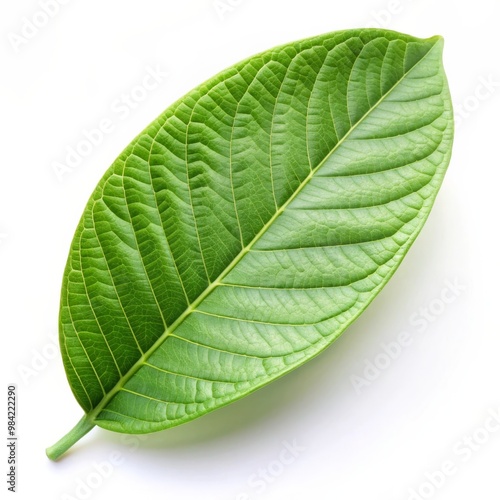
{"x": 216, "y": 245}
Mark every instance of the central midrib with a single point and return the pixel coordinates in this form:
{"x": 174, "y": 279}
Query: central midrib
{"x": 192, "y": 307}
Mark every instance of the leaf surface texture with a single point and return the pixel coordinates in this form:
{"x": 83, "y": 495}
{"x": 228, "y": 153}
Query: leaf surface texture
{"x": 244, "y": 230}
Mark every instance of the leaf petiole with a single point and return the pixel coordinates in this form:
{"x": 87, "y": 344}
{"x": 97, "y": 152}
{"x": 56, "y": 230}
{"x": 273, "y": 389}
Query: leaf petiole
{"x": 67, "y": 441}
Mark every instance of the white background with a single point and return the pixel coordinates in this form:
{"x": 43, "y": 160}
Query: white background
{"x": 379, "y": 442}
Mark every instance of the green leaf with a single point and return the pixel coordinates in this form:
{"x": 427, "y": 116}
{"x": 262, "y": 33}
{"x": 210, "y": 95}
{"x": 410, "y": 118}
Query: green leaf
{"x": 242, "y": 232}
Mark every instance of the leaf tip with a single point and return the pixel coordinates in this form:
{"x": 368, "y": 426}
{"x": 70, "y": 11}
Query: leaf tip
{"x": 436, "y": 40}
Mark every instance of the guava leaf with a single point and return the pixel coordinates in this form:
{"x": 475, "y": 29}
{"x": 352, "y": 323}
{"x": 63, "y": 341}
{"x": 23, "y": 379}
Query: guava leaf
{"x": 243, "y": 231}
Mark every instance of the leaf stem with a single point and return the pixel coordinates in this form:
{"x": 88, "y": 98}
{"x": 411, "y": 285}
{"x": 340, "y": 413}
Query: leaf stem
{"x": 67, "y": 441}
